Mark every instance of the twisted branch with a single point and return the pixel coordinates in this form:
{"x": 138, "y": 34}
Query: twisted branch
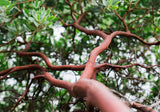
{"x": 53, "y": 67}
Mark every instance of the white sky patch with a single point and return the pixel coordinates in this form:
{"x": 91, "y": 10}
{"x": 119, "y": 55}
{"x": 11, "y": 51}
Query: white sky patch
{"x": 78, "y": 37}
{"x": 21, "y": 47}
{"x": 84, "y": 55}
{"x": 28, "y": 34}
{"x": 42, "y": 48}
{"x": 140, "y": 60}
{"x": 11, "y": 81}
{"x": 153, "y": 58}
{"x": 130, "y": 97}
{"x": 2, "y": 95}
{"x": 31, "y": 75}
{"x": 146, "y": 88}
{"x": 69, "y": 76}
{"x": 98, "y": 59}
{"x": 23, "y": 83}
{"x": 20, "y": 106}
{"x": 57, "y": 31}
{"x": 151, "y": 39}
{"x": 19, "y": 38}
{"x": 75, "y": 56}
{"x": 112, "y": 74}
{"x": 10, "y": 62}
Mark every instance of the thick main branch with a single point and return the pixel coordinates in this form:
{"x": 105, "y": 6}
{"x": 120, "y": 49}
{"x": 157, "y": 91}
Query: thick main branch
{"x": 98, "y": 95}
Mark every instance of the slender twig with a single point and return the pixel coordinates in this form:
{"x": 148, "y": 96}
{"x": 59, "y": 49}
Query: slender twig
{"x": 25, "y": 2}
{"x": 25, "y": 92}
{"x": 125, "y": 66}
{"x": 123, "y": 21}
{"x": 70, "y": 5}
{"x": 141, "y": 107}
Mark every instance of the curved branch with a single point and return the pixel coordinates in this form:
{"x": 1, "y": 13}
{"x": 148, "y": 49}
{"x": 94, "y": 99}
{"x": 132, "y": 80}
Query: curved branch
{"x": 5, "y": 73}
{"x": 53, "y": 67}
{"x": 128, "y": 34}
{"x": 58, "y": 83}
{"x": 90, "y": 32}
{"x": 123, "y": 21}
{"x": 90, "y": 66}
{"x": 89, "y": 70}
{"x": 103, "y": 35}
{"x": 70, "y": 5}
{"x": 26, "y": 47}
{"x": 125, "y": 66}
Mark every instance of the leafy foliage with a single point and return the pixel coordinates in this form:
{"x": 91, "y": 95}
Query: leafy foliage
{"x": 36, "y": 21}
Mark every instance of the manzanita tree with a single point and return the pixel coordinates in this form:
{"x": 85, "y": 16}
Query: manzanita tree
{"x": 79, "y": 55}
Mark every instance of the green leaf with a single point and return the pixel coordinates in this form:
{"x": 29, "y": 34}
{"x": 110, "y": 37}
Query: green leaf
{"x": 114, "y": 7}
{"x": 38, "y": 17}
{"x": 10, "y": 7}
{"x": 36, "y": 4}
{"x": 4, "y": 2}
{"x": 44, "y": 19}
{"x": 30, "y": 26}
{"x": 26, "y": 12}
{"x": 48, "y": 12}
{"x": 77, "y": 31}
{"x": 50, "y": 18}
{"x": 55, "y": 19}
{"x": 31, "y": 19}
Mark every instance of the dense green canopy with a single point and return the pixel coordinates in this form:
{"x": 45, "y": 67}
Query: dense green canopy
{"x": 45, "y": 25}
